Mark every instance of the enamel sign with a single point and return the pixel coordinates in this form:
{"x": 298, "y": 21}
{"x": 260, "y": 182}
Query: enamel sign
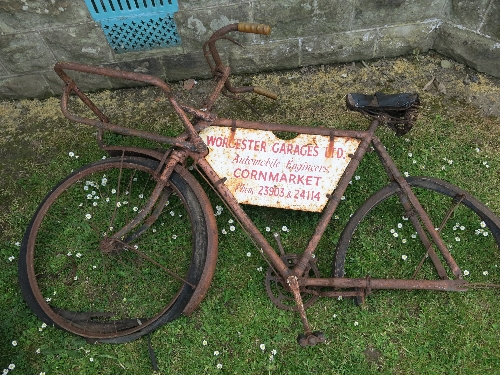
{"x": 264, "y": 170}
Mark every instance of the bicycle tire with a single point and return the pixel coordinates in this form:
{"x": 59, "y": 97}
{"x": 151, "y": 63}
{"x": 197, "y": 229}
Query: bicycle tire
{"x": 117, "y": 294}
{"x": 378, "y": 221}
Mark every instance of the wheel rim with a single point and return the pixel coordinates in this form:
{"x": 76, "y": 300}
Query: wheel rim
{"x": 94, "y": 285}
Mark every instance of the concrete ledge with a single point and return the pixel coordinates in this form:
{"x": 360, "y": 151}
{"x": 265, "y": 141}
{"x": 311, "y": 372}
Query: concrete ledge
{"x": 477, "y": 51}
{"x": 188, "y": 65}
{"x": 260, "y": 57}
{"x": 404, "y": 39}
{"x": 339, "y": 47}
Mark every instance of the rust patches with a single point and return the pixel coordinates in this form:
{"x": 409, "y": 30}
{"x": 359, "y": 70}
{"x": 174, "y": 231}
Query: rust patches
{"x": 230, "y": 140}
{"x": 331, "y": 146}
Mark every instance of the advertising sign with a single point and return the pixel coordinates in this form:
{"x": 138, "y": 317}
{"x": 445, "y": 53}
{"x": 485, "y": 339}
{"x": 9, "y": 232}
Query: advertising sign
{"x": 264, "y": 170}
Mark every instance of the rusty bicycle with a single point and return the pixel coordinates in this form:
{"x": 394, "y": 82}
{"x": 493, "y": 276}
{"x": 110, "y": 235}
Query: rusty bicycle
{"x": 128, "y": 243}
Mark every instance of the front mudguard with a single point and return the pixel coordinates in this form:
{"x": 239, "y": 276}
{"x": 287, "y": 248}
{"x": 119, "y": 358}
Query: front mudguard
{"x": 212, "y": 247}
{"x": 117, "y": 151}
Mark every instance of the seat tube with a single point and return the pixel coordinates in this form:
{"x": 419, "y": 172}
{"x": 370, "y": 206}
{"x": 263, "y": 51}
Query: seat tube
{"x": 335, "y": 199}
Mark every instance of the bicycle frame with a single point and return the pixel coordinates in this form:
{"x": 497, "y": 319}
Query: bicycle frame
{"x": 191, "y": 145}
{"x": 367, "y": 138}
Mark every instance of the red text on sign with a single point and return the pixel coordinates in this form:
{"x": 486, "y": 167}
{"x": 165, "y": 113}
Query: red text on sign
{"x": 289, "y": 178}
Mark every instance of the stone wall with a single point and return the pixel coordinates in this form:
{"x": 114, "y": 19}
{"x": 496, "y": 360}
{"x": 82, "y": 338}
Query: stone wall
{"x": 34, "y": 34}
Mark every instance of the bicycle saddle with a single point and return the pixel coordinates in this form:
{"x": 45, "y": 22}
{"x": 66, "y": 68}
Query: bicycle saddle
{"x": 399, "y": 111}
{"x": 382, "y": 101}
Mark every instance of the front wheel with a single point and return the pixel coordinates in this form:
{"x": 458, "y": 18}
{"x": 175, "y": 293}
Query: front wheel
{"x": 74, "y": 274}
{"x": 382, "y": 242}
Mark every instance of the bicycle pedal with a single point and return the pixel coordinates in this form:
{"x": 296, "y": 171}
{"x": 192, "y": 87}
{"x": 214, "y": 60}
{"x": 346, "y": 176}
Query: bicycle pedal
{"x": 302, "y": 340}
{"x": 310, "y": 339}
{"x": 320, "y": 336}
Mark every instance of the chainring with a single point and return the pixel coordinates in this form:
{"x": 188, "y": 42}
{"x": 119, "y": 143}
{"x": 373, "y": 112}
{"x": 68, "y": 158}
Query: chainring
{"x": 280, "y": 293}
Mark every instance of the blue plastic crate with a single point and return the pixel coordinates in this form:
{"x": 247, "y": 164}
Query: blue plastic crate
{"x": 136, "y": 25}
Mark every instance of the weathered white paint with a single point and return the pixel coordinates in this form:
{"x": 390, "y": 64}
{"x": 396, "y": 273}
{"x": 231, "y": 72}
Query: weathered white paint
{"x": 264, "y": 170}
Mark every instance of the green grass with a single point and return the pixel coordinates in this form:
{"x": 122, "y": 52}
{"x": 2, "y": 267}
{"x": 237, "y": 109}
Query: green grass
{"x": 395, "y": 332}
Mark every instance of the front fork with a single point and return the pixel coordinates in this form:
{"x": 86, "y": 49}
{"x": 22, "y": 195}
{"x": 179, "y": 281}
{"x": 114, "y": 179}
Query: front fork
{"x": 159, "y": 195}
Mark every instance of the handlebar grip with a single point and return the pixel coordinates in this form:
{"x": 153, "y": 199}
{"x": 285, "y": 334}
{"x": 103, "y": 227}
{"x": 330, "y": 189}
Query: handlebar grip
{"x": 265, "y": 92}
{"x": 246, "y": 27}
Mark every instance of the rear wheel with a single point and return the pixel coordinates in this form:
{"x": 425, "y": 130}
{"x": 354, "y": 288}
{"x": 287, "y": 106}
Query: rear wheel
{"x": 383, "y": 243}
{"x": 76, "y": 275}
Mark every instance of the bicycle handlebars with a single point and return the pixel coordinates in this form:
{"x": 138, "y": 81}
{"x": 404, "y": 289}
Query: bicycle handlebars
{"x": 254, "y": 28}
{"x": 217, "y": 66}
{"x": 219, "y": 70}
{"x": 265, "y": 92}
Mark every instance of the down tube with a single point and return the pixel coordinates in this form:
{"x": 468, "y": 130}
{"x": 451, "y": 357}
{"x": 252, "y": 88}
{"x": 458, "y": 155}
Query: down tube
{"x": 243, "y": 218}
